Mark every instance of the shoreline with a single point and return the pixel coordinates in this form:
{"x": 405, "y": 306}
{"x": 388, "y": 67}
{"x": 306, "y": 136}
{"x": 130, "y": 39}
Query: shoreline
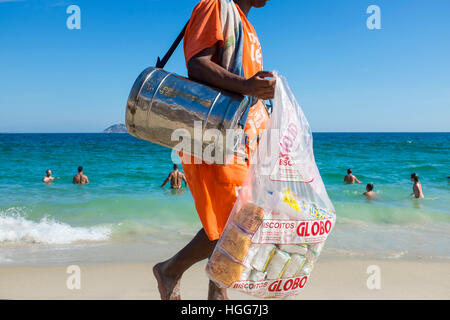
{"x": 149, "y": 252}
{"x": 331, "y": 279}
{"x": 118, "y": 253}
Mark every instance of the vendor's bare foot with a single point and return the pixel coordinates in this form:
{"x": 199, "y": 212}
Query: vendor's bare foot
{"x": 169, "y": 287}
{"x": 216, "y": 293}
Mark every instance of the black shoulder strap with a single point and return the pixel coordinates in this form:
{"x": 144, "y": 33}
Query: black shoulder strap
{"x": 162, "y": 63}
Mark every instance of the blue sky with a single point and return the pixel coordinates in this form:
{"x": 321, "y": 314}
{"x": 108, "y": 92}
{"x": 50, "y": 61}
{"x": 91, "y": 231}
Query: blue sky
{"x": 345, "y": 76}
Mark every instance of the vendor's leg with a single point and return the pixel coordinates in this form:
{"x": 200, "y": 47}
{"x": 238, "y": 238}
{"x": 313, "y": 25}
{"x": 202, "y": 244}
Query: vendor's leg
{"x": 216, "y": 293}
{"x": 169, "y": 272}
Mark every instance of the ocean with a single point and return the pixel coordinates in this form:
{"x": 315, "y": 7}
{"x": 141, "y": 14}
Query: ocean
{"x": 124, "y": 215}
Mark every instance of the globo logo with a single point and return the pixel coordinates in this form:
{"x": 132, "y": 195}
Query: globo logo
{"x": 290, "y": 284}
{"x": 316, "y": 228}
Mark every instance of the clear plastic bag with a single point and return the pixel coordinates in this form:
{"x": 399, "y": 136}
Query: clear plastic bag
{"x": 283, "y": 215}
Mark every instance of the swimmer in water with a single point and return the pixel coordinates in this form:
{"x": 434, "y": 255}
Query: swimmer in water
{"x": 370, "y": 194}
{"x": 48, "y": 177}
{"x": 80, "y": 178}
{"x": 350, "y": 178}
{"x": 417, "y": 186}
{"x": 175, "y": 178}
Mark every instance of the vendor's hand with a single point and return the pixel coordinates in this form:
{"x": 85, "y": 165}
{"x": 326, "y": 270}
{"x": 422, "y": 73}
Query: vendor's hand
{"x": 259, "y": 87}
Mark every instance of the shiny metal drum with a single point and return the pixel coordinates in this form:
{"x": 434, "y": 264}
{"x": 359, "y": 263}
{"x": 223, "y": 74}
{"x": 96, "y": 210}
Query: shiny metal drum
{"x": 161, "y": 105}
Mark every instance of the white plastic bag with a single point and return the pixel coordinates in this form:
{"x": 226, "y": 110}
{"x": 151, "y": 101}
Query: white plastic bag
{"x": 283, "y": 214}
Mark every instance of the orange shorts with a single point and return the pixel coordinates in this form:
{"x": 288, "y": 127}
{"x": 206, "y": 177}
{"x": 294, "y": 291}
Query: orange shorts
{"x": 214, "y": 189}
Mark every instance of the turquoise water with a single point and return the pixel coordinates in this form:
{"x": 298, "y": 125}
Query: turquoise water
{"x": 124, "y": 203}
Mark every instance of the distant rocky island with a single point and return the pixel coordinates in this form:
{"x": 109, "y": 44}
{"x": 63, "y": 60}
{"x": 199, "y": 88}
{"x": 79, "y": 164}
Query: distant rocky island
{"x": 116, "y": 128}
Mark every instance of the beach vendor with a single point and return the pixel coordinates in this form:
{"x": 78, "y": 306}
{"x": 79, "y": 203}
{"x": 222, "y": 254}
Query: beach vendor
{"x": 221, "y": 49}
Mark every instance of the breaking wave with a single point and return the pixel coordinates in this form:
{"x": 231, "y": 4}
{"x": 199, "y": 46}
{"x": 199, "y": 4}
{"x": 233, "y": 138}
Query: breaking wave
{"x": 18, "y": 229}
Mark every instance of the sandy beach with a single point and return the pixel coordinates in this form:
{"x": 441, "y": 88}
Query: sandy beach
{"x": 331, "y": 279}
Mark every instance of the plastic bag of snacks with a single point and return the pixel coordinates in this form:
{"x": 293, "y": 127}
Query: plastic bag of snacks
{"x": 283, "y": 215}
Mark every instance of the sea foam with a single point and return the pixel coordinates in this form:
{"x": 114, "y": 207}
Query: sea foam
{"x": 18, "y": 229}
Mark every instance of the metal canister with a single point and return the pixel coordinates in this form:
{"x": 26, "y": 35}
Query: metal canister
{"x": 161, "y": 102}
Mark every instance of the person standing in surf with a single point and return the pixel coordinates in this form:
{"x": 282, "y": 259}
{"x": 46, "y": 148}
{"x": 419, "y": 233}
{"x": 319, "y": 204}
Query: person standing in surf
{"x": 48, "y": 177}
{"x": 370, "y": 194}
{"x": 175, "y": 177}
{"x": 350, "y": 178}
{"x": 80, "y": 177}
{"x": 221, "y": 49}
{"x": 417, "y": 186}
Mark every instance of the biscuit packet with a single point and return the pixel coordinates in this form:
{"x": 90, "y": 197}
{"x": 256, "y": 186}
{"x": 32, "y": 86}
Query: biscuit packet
{"x": 283, "y": 215}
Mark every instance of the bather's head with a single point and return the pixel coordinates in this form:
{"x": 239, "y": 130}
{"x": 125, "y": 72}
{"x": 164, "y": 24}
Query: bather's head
{"x": 349, "y": 171}
{"x": 414, "y": 177}
{"x": 48, "y": 173}
{"x": 80, "y": 169}
{"x": 175, "y": 166}
{"x": 369, "y": 187}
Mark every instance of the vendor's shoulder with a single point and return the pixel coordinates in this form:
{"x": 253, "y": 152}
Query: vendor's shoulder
{"x": 207, "y": 4}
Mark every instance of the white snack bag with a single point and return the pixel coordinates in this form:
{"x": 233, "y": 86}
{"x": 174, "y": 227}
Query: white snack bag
{"x": 282, "y": 216}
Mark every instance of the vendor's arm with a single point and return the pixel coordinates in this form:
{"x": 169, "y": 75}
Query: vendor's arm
{"x": 202, "y": 68}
